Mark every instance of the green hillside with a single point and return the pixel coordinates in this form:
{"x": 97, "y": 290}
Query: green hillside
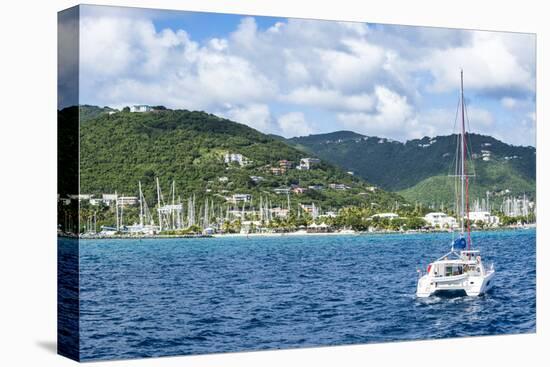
{"x": 188, "y": 147}
{"x": 418, "y": 169}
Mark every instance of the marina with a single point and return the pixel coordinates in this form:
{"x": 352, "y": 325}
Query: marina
{"x": 118, "y": 216}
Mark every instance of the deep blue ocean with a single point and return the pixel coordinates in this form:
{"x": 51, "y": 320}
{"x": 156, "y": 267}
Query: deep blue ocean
{"x": 157, "y": 297}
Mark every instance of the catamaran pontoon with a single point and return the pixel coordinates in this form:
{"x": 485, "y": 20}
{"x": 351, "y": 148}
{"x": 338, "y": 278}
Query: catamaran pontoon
{"x": 461, "y": 269}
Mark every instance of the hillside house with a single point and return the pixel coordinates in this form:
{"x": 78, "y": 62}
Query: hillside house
{"x": 240, "y": 198}
{"x": 235, "y": 157}
{"x": 308, "y": 163}
{"x": 277, "y": 171}
{"x": 128, "y": 200}
{"x": 256, "y": 179}
{"x": 316, "y": 187}
{"x": 140, "y": 108}
{"x": 282, "y": 190}
{"x": 338, "y": 186}
{"x": 299, "y": 190}
{"x": 108, "y": 199}
{"x": 285, "y": 164}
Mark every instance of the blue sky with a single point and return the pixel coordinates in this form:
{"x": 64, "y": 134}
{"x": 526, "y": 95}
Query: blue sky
{"x": 297, "y": 77}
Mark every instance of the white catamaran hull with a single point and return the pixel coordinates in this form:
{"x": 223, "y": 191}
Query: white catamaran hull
{"x": 472, "y": 285}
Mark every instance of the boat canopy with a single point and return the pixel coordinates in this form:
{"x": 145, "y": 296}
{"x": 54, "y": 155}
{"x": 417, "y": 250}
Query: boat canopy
{"x": 459, "y": 243}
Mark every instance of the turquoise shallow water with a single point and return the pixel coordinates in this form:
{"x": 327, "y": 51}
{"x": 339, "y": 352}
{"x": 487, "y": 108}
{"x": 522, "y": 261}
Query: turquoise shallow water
{"x": 154, "y": 297}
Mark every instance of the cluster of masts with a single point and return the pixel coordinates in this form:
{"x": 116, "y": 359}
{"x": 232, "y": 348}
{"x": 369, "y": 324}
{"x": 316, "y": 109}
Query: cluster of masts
{"x": 516, "y": 207}
{"x": 170, "y": 213}
{"x": 510, "y": 206}
{"x": 483, "y": 205}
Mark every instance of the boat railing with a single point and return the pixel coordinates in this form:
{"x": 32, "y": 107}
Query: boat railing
{"x": 450, "y": 278}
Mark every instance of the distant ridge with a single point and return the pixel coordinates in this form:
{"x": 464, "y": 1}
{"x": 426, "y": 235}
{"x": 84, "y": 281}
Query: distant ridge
{"x": 418, "y": 168}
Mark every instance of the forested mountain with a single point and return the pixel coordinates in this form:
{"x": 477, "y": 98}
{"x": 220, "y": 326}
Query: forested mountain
{"x": 419, "y": 169}
{"x": 119, "y": 149}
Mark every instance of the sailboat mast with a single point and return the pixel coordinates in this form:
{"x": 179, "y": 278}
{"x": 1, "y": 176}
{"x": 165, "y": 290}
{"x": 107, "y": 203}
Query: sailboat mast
{"x": 464, "y": 176}
{"x": 140, "y": 205}
{"x": 462, "y": 155}
{"x": 116, "y": 212}
{"x": 158, "y": 205}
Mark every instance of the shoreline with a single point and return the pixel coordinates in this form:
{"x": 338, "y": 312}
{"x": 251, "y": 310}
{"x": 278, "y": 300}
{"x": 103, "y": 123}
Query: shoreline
{"x": 282, "y": 234}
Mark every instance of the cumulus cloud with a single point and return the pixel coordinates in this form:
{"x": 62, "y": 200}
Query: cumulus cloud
{"x": 307, "y": 76}
{"x": 294, "y": 124}
{"x": 256, "y": 116}
{"x": 529, "y": 131}
{"x": 509, "y": 102}
{"x": 143, "y": 65}
{"x": 393, "y": 116}
{"x": 480, "y": 118}
{"x": 330, "y": 99}
{"x": 350, "y": 69}
{"x": 491, "y": 66}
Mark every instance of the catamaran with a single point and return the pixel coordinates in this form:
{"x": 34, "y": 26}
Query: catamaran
{"x": 460, "y": 270}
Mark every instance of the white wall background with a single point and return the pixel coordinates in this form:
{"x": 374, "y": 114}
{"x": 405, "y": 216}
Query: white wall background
{"x": 28, "y": 182}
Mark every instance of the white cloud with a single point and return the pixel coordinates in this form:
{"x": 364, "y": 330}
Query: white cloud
{"x": 256, "y": 116}
{"x": 522, "y": 130}
{"x": 437, "y": 121}
{"x": 294, "y": 124}
{"x": 393, "y": 116}
{"x": 509, "y": 102}
{"x": 296, "y": 72}
{"x": 351, "y": 69}
{"x": 245, "y": 36}
{"x": 105, "y": 55}
{"x": 330, "y": 99}
{"x": 480, "y": 118}
{"x": 441, "y": 121}
{"x": 517, "y": 104}
{"x": 143, "y": 65}
{"x": 489, "y": 65}
{"x": 377, "y": 80}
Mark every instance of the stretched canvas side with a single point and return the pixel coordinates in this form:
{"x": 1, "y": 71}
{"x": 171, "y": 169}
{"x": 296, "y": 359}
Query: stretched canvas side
{"x": 68, "y": 337}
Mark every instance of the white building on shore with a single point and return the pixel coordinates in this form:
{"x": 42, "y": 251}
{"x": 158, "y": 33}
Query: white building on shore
{"x": 484, "y": 217}
{"x": 279, "y": 212}
{"x": 440, "y": 220}
{"x": 390, "y": 216}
